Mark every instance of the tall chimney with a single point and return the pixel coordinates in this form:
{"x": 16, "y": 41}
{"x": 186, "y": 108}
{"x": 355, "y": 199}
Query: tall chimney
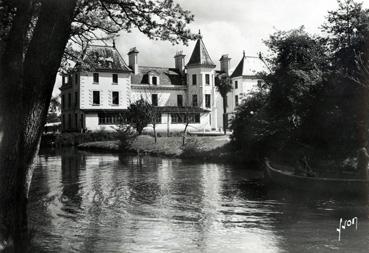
{"x": 133, "y": 59}
{"x": 180, "y": 61}
{"x": 225, "y": 63}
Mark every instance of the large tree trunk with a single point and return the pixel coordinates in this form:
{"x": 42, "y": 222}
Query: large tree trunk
{"x": 26, "y": 84}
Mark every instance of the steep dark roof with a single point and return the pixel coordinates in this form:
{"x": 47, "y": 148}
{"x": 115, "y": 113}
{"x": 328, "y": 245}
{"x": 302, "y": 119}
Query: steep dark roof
{"x": 248, "y": 66}
{"x": 167, "y": 76}
{"x": 104, "y": 59}
{"x": 200, "y": 56}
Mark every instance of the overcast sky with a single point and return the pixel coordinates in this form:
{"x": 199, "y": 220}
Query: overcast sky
{"x": 229, "y": 27}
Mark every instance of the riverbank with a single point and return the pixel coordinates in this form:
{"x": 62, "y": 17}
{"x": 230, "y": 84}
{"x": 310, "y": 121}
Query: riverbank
{"x": 214, "y": 148}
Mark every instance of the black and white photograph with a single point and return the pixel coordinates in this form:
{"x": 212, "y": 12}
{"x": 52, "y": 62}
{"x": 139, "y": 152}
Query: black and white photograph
{"x": 184, "y": 126}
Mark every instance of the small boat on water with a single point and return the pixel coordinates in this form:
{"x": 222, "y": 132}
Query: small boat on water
{"x": 282, "y": 177}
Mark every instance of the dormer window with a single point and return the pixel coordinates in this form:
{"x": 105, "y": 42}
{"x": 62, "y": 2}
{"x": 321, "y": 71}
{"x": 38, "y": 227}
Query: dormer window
{"x": 153, "y": 77}
{"x": 65, "y": 79}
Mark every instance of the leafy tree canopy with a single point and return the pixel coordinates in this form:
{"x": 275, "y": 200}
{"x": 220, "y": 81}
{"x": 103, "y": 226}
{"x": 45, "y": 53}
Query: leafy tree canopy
{"x": 139, "y": 114}
{"x": 101, "y": 20}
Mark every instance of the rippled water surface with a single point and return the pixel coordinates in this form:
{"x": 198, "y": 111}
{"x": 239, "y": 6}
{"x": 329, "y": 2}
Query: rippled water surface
{"x": 83, "y": 202}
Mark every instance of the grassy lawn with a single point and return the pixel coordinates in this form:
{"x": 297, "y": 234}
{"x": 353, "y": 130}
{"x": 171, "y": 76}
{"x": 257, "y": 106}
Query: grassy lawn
{"x": 167, "y": 146}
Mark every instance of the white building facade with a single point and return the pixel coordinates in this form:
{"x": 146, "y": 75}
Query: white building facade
{"x": 97, "y": 94}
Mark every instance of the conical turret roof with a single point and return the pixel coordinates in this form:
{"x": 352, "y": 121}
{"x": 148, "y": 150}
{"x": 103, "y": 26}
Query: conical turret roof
{"x": 200, "y": 56}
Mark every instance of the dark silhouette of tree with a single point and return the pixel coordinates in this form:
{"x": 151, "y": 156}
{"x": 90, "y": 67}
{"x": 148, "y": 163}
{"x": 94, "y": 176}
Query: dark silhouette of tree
{"x": 347, "y": 81}
{"x": 224, "y": 86}
{"x": 139, "y": 114}
{"x": 35, "y": 35}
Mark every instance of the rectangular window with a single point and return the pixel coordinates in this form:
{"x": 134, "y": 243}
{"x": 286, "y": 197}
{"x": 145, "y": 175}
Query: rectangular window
{"x": 66, "y": 80}
{"x": 178, "y": 118}
{"x": 63, "y": 121}
{"x": 76, "y": 99}
{"x": 96, "y": 77}
{"x": 76, "y": 78}
{"x": 207, "y": 101}
{"x": 154, "y": 80}
{"x": 236, "y": 85}
{"x": 115, "y": 78}
{"x": 69, "y": 121}
{"x": 76, "y": 120}
{"x": 63, "y": 79}
{"x": 207, "y": 79}
{"x": 236, "y": 100}
{"x": 157, "y": 118}
{"x": 82, "y": 121}
{"x": 194, "y": 80}
{"x": 193, "y": 118}
{"x": 154, "y": 99}
{"x": 96, "y": 97}
{"x": 194, "y": 101}
{"x": 115, "y": 97}
{"x": 179, "y": 100}
{"x": 181, "y": 118}
{"x": 63, "y": 101}
{"x": 69, "y": 100}
{"x": 111, "y": 118}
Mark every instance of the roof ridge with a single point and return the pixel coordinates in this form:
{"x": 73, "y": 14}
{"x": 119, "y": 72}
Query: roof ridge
{"x": 142, "y": 66}
{"x": 251, "y": 56}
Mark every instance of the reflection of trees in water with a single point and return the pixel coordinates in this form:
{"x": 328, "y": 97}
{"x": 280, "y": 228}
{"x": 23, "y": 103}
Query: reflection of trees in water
{"x": 185, "y": 206}
{"x": 39, "y": 218}
{"x": 71, "y": 197}
{"x": 106, "y": 208}
{"x": 308, "y": 223}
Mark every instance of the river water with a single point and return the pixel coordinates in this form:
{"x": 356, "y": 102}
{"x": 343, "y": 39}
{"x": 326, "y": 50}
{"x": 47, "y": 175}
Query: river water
{"x": 83, "y": 202}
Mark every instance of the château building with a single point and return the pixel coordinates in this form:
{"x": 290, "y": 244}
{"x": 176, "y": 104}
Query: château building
{"x": 96, "y": 95}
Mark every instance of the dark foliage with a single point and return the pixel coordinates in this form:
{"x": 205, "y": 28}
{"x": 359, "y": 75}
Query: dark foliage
{"x": 318, "y": 89}
{"x": 139, "y": 114}
{"x": 125, "y": 134}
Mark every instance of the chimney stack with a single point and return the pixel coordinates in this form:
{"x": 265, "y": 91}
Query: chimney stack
{"x": 180, "y": 61}
{"x": 224, "y": 63}
{"x": 133, "y": 59}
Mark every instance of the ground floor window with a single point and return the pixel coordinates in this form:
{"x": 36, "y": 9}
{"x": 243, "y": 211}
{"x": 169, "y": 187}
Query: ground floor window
{"x": 178, "y": 118}
{"x": 111, "y": 118}
{"x": 157, "y": 118}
